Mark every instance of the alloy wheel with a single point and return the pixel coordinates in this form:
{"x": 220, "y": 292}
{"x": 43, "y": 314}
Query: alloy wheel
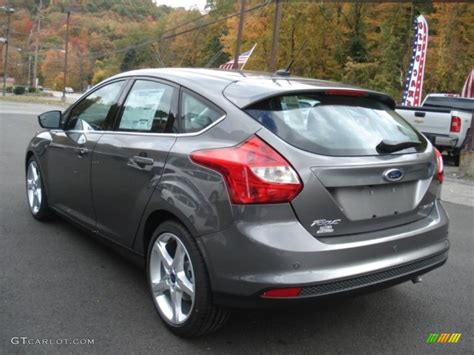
{"x": 172, "y": 278}
{"x": 33, "y": 186}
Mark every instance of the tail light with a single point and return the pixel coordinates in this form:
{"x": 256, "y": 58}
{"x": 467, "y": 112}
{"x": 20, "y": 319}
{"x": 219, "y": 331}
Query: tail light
{"x": 282, "y": 292}
{"x": 455, "y": 124}
{"x": 254, "y": 172}
{"x": 439, "y": 165}
{"x": 345, "y": 92}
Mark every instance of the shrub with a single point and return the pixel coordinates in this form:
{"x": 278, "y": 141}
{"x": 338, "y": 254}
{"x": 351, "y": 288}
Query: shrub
{"x": 31, "y": 89}
{"x": 19, "y": 90}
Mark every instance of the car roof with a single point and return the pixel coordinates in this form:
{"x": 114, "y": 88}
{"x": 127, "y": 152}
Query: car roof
{"x": 234, "y": 84}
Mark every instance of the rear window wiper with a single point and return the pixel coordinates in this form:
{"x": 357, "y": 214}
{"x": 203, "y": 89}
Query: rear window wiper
{"x": 388, "y": 146}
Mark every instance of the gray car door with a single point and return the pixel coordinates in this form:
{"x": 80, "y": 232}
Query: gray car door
{"x": 70, "y": 152}
{"x": 129, "y": 161}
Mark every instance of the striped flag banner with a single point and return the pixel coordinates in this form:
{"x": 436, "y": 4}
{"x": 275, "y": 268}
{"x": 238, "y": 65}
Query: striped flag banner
{"x": 412, "y": 91}
{"x": 243, "y": 58}
{"x": 468, "y": 88}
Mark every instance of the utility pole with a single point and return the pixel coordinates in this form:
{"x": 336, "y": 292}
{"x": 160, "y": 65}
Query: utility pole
{"x": 239, "y": 35}
{"x": 38, "y": 28}
{"x": 275, "y": 36}
{"x": 65, "y": 54}
{"x": 28, "y": 46}
{"x": 9, "y": 11}
{"x": 29, "y": 70}
{"x": 80, "y": 70}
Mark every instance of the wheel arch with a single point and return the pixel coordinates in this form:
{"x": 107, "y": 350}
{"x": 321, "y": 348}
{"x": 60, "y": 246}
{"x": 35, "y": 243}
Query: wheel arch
{"x": 153, "y": 221}
{"x": 28, "y": 156}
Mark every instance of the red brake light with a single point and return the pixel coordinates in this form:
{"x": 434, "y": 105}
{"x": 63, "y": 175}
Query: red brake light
{"x": 439, "y": 165}
{"x": 282, "y": 292}
{"x": 455, "y": 124}
{"x": 254, "y": 172}
{"x": 345, "y": 92}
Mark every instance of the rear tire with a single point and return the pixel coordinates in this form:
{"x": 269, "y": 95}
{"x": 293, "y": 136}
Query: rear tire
{"x": 179, "y": 283}
{"x": 35, "y": 192}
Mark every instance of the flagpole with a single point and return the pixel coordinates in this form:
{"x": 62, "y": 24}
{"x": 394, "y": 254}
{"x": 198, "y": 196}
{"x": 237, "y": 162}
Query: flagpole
{"x": 251, "y": 51}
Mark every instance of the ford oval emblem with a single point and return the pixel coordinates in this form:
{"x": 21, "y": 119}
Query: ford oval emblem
{"x": 393, "y": 175}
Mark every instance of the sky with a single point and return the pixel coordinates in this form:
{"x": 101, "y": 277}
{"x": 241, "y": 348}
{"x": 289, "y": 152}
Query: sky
{"x": 187, "y": 4}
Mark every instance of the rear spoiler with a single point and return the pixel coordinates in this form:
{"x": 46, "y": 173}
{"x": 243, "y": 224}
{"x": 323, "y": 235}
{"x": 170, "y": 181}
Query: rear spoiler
{"x": 387, "y": 100}
{"x": 240, "y": 95}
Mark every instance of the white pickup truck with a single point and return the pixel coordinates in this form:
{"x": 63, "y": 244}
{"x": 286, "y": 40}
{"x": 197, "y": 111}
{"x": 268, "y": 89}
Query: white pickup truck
{"x": 444, "y": 119}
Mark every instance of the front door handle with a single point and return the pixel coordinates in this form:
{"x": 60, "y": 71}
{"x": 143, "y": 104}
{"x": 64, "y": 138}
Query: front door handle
{"x": 81, "y": 152}
{"x": 420, "y": 114}
{"x": 139, "y": 160}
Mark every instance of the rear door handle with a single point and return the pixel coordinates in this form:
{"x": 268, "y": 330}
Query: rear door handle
{"x": 81, "y": 152}
{"x": 420, "y": 114}
{"x": 143, "y": 160}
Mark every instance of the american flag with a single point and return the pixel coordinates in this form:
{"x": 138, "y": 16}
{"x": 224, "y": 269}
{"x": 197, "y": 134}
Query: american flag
{"x": 413, "y": 88}
{"x": 468, "y": 89}
{"x": 243, "y": 58}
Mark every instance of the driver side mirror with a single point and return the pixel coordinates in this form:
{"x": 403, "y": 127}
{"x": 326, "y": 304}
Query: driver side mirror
{"x": 50, "y": 119}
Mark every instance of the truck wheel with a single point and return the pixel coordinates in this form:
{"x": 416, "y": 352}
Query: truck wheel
{"x": 456, "y": 157}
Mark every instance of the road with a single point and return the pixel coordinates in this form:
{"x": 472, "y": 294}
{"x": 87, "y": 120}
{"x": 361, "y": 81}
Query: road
{"x": 58, "y": 283}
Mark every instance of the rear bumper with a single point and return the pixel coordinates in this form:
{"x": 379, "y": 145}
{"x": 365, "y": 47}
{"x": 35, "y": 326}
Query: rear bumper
{"x": 249, "y": 258}
{"x": 351, "y": 286}
{"x": 443, "y": 140}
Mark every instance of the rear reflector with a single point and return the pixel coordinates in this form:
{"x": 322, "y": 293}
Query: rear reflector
{"x": 439, "y": 166}
{"x": 253, "y": 171}
{"x": 282, "y": 292}
{"x": 455, "y": 124}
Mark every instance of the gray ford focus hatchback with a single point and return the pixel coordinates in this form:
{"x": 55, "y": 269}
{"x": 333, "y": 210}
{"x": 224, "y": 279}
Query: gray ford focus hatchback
{"x": 243, "y": 189}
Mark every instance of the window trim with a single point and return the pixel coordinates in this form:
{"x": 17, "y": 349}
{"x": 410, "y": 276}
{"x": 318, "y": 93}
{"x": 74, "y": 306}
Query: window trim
{"x": 126, "y": 93}
{"x": 112, "y": 111}
{"x": 119, "y": 103}
{"x": 205, "y": 101}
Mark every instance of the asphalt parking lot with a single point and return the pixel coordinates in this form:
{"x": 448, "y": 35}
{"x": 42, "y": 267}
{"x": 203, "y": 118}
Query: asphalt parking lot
{"x": 58, "y": 283}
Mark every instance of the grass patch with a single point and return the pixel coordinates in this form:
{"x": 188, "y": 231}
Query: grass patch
{"x": 35, "y": 99}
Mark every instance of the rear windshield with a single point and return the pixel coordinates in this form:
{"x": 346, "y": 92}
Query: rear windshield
{"x": 451, "y": 102}
{"x": 334, "y": 125}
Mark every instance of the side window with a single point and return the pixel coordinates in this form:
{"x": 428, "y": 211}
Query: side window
{"x": 147, "y": 108}
{"x": 91, "y": 113}
{"x": 196, "y": 114}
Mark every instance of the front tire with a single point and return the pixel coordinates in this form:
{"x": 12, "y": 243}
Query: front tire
{"x": 35, "y": 192}
{"x": 179, "y": 283}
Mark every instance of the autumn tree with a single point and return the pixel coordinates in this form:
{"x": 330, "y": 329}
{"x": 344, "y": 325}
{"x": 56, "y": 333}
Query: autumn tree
{"x": 366, "y": 44}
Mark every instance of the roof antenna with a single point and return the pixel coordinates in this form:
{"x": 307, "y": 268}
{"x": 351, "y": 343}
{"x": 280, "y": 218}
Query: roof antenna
{"x": 285, "y": 72}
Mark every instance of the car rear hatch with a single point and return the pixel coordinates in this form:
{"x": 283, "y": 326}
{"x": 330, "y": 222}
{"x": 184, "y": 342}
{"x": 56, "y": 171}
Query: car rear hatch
{"x": 363, "y": 167}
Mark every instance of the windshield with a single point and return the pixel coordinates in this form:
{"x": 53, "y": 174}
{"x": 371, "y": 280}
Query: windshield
{"x": 335, "y": 125}
{"x": 451, "y": 102}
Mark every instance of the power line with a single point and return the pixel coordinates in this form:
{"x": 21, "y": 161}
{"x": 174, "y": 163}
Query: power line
{"x": 256, "y": 7}
{"x": 95, "y": 55}
{"x": 214, "y": 58}
{"x": 146, "y": 42}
